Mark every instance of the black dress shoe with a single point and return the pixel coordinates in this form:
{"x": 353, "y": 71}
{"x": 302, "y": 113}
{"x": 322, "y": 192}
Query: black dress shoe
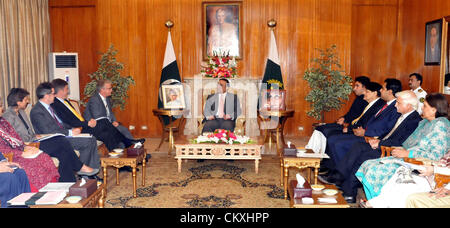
{"x": 142, "y": 141}
{"x": 96, "y": 178}
{"x": 350, "y": 199}
{"x": 127, "y": 169}
{"x": 326, "y": 179}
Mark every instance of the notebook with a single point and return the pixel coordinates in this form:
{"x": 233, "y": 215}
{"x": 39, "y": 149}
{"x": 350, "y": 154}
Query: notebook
{"x": 21, "y": 199}
{"x": 51, "y": 198}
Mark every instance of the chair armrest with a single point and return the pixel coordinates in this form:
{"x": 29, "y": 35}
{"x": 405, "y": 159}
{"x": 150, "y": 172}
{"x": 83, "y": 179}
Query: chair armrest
{"x": 8, "y": 156}
{"x": 386, "y": 151}
{"x": 441, "y": 180}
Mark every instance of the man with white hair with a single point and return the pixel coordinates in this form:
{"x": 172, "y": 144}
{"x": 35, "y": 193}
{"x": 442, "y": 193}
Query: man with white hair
{"x": 344, "y": 173}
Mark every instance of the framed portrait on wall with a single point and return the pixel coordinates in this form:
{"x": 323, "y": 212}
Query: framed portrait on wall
{"x": 433, "y": 41}
{"x": 173, "y": 96}
{"x": 222, "y": 29}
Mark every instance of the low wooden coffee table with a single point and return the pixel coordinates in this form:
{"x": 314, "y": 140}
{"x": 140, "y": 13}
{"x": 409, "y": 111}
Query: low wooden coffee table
{"x": 297, "y": 203}
{"x": 121, "y": 161}
{"x": 96, "y": 199}
{"x": 187, "y": 150}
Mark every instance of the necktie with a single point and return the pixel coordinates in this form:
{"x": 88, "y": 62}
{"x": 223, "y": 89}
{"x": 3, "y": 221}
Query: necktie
{"x": 220, "y": 112}
{"x": 359, "y": 117}
{"x": 54, "y": 117}
{"x": 73, "y": 110}
{"x": 399, "y": 121}
{"x": 107, "y": 111}
{"x": 379, "y": 112}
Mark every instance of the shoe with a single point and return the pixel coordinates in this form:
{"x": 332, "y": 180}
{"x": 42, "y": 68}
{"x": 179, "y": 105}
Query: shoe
{"x": 93, "y": 177}
{"x": 147, "y": 157}
{"x": 127, "y": 169}
{"x": 94, "y": 171}
{"x": 142, "y": 141}
{"x": 325, "y": 179}
{"x": 350, "y": 199}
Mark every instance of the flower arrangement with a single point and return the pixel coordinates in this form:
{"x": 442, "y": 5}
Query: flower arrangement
{"x": 222, "y": 136}
{"x": 220, "y": 66}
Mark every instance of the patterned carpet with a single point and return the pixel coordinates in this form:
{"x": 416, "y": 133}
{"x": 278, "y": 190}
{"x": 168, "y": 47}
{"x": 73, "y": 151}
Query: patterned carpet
{"x": 208, "y": 184}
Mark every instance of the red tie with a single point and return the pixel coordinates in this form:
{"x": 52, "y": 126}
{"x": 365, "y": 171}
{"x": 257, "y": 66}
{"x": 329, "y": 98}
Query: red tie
{"x": 379, "y": 112}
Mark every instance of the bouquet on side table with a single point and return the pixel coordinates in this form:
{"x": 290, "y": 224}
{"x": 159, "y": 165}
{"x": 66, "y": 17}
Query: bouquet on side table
{"x": 220, "y": 66}
{"x": 222, "y": 136}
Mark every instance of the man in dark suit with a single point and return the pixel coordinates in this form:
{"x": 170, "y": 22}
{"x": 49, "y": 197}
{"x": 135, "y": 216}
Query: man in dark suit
{"x": 372, "y": 96}
{"x": 355, "y": 110}
{"x": 221, "y": 109}
{"x": 46, "y": 121}
{"x": 99, "y": 107}
{"x": 102, "y": 129}
{"x": 344, "y": 174}
{"x": 378, "y": 125}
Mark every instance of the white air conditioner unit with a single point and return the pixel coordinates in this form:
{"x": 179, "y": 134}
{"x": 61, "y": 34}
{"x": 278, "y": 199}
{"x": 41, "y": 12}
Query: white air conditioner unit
{"x": 64, "y": 65}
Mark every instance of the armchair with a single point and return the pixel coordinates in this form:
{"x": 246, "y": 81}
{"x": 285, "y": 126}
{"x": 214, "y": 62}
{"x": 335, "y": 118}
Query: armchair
{"x": 240, "y": 120}
{"x": 8, "y": 156}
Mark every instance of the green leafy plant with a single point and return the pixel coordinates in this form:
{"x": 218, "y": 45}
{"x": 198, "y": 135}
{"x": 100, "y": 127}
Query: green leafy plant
{"x": 110, "y": 69}
{"x": 329, "y": 85}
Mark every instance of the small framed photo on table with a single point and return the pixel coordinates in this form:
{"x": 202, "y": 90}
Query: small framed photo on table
{"x": 173, "y": 96}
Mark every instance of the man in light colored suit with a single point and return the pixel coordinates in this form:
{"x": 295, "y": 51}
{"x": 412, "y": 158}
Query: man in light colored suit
{"x": 221, "y": 109}
{"x": 46, "y": 121}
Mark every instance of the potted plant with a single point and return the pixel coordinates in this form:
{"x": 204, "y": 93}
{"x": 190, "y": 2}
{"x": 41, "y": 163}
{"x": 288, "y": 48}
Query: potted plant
{"x": 329, "y": 84}
{"x": 110, "y": 69}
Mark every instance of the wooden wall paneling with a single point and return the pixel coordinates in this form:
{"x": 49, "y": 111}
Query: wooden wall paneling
{"x": 72, "y": 28}
{"x": 136, "y": 28}
{"x": 416, "y": 14}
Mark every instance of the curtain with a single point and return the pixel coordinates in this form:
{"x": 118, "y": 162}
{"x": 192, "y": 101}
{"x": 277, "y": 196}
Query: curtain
{"x": 25, "y": 40}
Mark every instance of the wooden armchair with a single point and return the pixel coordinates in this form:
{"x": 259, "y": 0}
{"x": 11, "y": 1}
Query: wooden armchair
{"x": 386, "y": 151}
{"x": 8, "y": 156}
{"x": 441, "y": 180}
{"x": 240, "y": 120}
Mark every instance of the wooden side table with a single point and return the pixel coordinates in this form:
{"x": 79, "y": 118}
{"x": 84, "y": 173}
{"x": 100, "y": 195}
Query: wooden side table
{"x": 299, "y": 163}
{"x": 283, "y": 115}
{"x": 121, "y": 161}
{"x": 176, "y": 125}
{"x": 297, "y": 203}
{"x": 96, "y": 199}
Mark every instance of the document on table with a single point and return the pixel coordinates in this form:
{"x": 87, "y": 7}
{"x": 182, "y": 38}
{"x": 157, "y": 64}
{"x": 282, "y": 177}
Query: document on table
{"x": 57, "y": 186}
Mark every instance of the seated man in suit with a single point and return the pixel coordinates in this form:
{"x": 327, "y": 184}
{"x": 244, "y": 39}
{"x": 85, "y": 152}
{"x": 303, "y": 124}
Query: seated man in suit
{"x": 46, "y": 121}
{"x": 59, "y": 147}
{"x": 100, "y": 106}
{"x": 221, "y": 109}
{"x": 318, "y": 141}
{"x": 103, "y": 129}
{"x": 344, "y": 173}
{"x": 377, "y": 127}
